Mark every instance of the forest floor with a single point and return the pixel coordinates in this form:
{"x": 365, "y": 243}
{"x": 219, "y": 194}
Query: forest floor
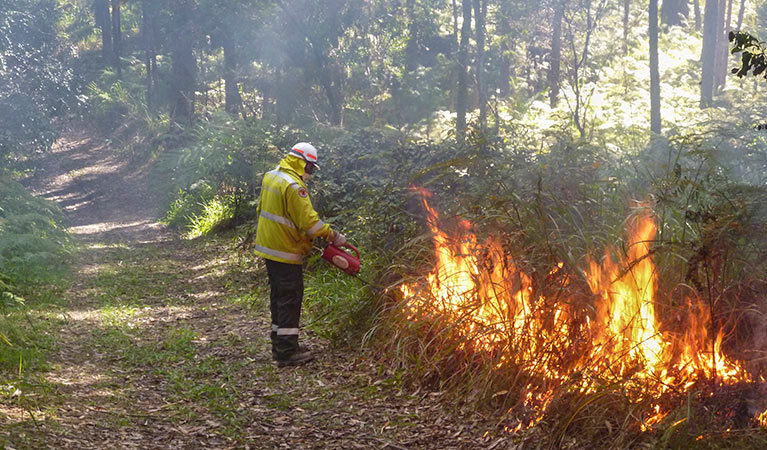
{"x": 162, "y": 342}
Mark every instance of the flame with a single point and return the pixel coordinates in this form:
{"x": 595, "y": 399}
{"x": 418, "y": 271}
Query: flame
{"x": 761, "y": 419}
{"x": 492, "y": 304}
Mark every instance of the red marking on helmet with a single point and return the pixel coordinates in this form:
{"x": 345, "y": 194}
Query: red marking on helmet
{"x": 306, "y": 155}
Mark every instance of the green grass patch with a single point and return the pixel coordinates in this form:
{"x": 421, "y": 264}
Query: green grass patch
{"x": 341, "y": 307}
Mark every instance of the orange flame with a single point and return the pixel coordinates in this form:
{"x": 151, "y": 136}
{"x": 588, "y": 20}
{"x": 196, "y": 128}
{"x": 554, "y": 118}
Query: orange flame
{"x": 491, "y": 303}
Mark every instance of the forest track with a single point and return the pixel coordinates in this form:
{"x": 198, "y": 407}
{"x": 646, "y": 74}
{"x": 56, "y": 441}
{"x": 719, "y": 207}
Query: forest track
{"x": 163, "y": 343}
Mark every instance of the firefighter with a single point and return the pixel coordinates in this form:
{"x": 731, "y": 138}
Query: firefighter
{"x": 287, "y": 223}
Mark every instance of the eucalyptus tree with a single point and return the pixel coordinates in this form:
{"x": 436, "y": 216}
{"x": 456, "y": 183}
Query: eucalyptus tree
{"x": 230, "y": 24}
{"x": 674, "y": 12}
{"x": 103, "y": 19}
{"x": 184, "y": 64}
{"x": 554, "y": 74}
{"x": 462, "y": 67}
{"x": 117, "y": 36}
{"x": 655, "y": 118}
{"x": 708, "y": 54}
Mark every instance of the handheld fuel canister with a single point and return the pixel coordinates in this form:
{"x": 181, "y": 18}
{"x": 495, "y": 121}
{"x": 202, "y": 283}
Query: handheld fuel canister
{"x": 342, "y": 259}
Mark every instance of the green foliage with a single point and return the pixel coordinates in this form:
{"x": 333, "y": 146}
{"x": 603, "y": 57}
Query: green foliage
{"x": 342, "y": 308}
{"x": 753, "y": 58}
{"x": 214, "y": 175}
{"x": 33, "y": 243}
{"x": 215, "y": 212}
{"x": 35, "y": 83}
{"x": 33, "y": 251}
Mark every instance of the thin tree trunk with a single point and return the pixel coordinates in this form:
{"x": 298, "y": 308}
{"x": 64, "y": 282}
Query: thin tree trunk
{"x": 556, "y": 53}
{"x": 504, "y": 72}
{"x": 103, "y": 20}
{"x": 480, "y": 9}
{"x": 326, "y": 80}
{"x": 150, "y": 56}
{"x": 741, "y": 12}
{"x": 708, "y": 55}
{"x": 116, "y": 36}
{"x": 655, "y": 119}
{"x": 232, "y": 99}
{"x": 722, "y": 45}
{"x": 184, "y": 64}
{"x": 461, "y": 101}
{"x": 696, "y": 5}
{"x": 626, "y": 16}
{"x": 455, "y": 23}
{"x": 674, "y": 12}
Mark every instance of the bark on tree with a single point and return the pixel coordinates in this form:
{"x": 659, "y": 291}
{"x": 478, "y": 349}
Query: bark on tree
{"x": 708, "y": 55}
{"x": 232, "y": 98}
{"x": 149, "y": 34}
{"x": 116, "y": 36}
{"x": 720, "y": 76}
{"x": 553, "y": 76}
{"x": 462, "y": 94}
{"x": 674, "y": 12}
{"x": 741, "y": 12}
{"x": 480, "y": 10}
{"x": 455, "y": 23}
{"x": 504, "y": 67}
{"x": 326, "y": 81}
{"x": 655, "y": 119}
{"x": 183, "y": 62}
{"x": 103, "y": 20}
{"x": 626, "y": 16}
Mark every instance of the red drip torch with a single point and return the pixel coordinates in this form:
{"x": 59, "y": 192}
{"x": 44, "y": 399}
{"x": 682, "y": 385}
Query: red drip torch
{"x": 343, "y": 259}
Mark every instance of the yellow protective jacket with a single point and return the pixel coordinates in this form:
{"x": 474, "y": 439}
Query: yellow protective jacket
{"x": 287, "y": 222}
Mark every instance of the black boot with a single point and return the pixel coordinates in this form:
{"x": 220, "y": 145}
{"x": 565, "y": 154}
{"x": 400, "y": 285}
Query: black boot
{"x": 297, "y": 358}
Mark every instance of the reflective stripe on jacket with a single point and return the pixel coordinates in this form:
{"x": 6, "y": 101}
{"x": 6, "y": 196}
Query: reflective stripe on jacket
{"x": 287, "y": 222}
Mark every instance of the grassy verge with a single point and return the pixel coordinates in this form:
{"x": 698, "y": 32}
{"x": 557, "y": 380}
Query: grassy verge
{"x": 34, "y": 250}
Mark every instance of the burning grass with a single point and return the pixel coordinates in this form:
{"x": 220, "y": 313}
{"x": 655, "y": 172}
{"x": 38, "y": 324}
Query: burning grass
{"x": 572, "y": 343}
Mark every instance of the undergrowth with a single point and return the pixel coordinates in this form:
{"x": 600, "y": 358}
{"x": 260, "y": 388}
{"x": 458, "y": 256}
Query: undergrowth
{"x": 34, "y": 249}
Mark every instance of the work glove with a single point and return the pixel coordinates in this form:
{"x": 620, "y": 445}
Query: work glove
{"x": 338, "y": 239}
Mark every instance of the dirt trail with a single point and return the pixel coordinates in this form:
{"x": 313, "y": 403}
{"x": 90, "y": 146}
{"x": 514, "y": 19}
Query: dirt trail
{"x": 162, "y": 344}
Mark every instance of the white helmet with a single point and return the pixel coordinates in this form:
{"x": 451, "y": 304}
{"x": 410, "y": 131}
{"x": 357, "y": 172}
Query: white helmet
{"x": 305, "y": 151}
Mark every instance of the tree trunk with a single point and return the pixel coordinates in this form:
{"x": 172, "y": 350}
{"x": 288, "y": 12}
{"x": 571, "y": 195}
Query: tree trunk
{"x": 148, "y": 31}
{"x": 720, "y": 76}
{"x": 462, "y": 94}
{"x": 655, "y": 120}
{"x": 480, "y": 9}
{"x": 696, "y": 5}
{"x": 708, "y": 55}
{"x": 326, "y": 81}
{"x": 232, "y": 98}
{"x": 504, "y": 66}
{"x": 674, "y": 12}
{"x": 626, "y": 17}
{"x": 455, "y": 23}
{"x": 741, "y": 12}
{"x": 103, "y": 20}
{"x": 184, "y": 64}
{"x": 556, "y": 53}
{"x": 116, "y": 36}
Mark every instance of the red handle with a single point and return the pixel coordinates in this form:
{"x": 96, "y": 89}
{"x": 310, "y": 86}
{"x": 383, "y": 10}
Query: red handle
{"x": 348, "y": 245}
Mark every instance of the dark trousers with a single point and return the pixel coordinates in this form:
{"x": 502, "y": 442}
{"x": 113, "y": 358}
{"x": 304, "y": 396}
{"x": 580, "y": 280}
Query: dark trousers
{"x": 287, "y": 293}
